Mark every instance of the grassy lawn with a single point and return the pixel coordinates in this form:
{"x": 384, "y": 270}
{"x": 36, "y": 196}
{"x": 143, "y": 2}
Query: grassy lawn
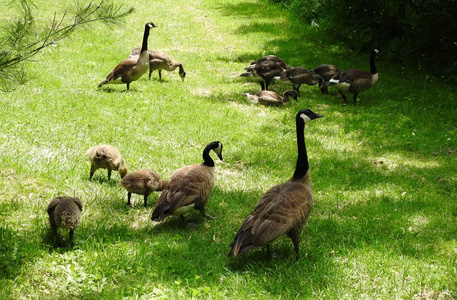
{"x": 384, "y": 221}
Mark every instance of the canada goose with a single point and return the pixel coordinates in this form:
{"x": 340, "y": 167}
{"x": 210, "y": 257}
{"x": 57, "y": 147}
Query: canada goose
{"x": 64, "y": 212}
{"x": 263, "y": 73}
{"x": 142, "y": 182}
{"x": 106, "y": 157}
{"x": 356, "y": 81}
{"x": 189, "y": 187}
{"x": 272, "y": 58}
{"x": 298, "y": 76}
{"x": 327, "y": 72}
{"x": 271, "y": 98}
{"x": 285, "y": 208}
{"x": 131, "y": 69}
{"x": 160, "y": 61}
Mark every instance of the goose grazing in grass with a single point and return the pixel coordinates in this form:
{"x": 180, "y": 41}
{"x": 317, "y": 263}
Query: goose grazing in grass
{"x": 327, "y": 72}
{"x": 298, "y": 76}
{"x": 131, "y": 69}
{"x": 64, "y": 212}
{"x": 189, "y": 188}
{"x": 271, "y": 58}
{"x": 356, "y": 81}
{"x": 264, "y": 70}
{"x": 271, "y": 98}
{"x": 160, "y": 61}
{"x": 285, "y": 208}
{"x": 106, "y": 157}
{"x": 142, "y": 182}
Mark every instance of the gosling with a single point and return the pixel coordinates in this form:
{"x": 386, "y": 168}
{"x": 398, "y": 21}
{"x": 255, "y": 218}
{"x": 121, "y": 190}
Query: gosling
{"x": 106, "y": 157}
{"x": 142, "y": 182}
{"x": 64, "y": 212}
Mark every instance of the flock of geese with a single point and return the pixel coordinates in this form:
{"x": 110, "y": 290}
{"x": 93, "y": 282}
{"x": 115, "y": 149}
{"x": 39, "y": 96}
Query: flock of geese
{"x": 283, "y": 209}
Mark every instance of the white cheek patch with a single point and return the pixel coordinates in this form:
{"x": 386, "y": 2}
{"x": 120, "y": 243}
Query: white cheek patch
{"x": 218, "y": 149}
{"x": 305, "y": 118}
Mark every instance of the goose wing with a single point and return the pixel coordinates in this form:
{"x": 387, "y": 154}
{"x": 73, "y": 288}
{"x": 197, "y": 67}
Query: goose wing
{"x": 123, "y": 67}
{"x": 188, "y": 185}
{"x": 283, "y": 208}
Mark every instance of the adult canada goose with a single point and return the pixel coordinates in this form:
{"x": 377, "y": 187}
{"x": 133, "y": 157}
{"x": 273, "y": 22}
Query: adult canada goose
{"x": 356, "y": 81}
{"x": 131, "y": 69}
{"x": 64, "y": 212}
{"x": 106, "y": 157}
{"x": 160, "y": 61}
{"x": 271, "y": 98}
{"x": 189, "y": 187}
{"x": 298, "y": 76}
{"x": 271, "y": 58}
{"x": 264, "y": 73}
{"x": 327, "y": 72}
{"x": 142, "y": 182}
{"x": 285, "y": 208}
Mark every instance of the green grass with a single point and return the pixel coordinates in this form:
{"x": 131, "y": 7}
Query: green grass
{"x": 384, "y": 221}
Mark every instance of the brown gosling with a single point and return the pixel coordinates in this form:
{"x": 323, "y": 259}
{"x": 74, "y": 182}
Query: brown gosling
{"x": 106, "y": 157}
{"x": 298, "y": 76}
{"x": 160, "y": 61}
{"x": 142, "y": 182}
{"x": 131, "y": 69}
{"x": 64, "y": 212}
{"x": 285, "y": 208}
{"x": 356, "y": 81}
{"x": 271, "y": 98}
{"x": 189, "y": 188}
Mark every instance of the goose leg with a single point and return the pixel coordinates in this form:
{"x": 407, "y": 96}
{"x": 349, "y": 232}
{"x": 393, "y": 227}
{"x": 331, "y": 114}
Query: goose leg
{"x": 146, "y": 199}
{"x": 129, "y": 195}
{"x": 355, "y": 99}
{"x": 109, "y": 174}
{"x": 203, "y": 213}
{"x": 262, "y": 86}
{"x": 150, "y": 72}
{"x": 128, "y": 86}
{"x": 160, "y": 75}
{"x": 345, "y": 100}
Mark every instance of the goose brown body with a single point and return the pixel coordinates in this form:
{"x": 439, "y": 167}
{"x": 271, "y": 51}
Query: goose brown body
{"x": 189, "y": 188}
{"x": 64, "y": 212}
{"x": 264, "y": 71}
{"x": 271, "y": 98}
{"x": 298, "y": 76}
{"x": 160, "y": 61}
{"x": 132, "y": 68}
{"x": 327, "y": 72}
{"x": 106, "y": 157}
{"x": 285, "y": 208}
{"x": 142, "y": 182}
{"x": 356, "y": 81}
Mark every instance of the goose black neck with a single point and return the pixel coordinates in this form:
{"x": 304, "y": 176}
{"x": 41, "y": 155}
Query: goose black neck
{"x": 144, "y": 46}
{"x": 372, "y": 66}
{"x": 207, "y": 160}
{"x": 302, "y": 160}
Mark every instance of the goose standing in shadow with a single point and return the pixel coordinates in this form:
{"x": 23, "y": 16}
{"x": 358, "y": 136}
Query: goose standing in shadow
{"x": 271, "y": 98}
{"x": 327, "y": 72}
{"x": 265, "y": 70}
{"x": 298, "y": 76}
{"x": 356, "y": 81}
{"x": 189, "y": 188}
{"x": 142, "y": 182}
{"x": 131, "y": 69}
{"x": 285, "y": 208}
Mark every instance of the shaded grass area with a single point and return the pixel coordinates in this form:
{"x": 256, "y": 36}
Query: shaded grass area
{"x": 383, "y": 223}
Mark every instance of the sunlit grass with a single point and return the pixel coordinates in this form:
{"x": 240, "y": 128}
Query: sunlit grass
{"x": 383, "y": 225}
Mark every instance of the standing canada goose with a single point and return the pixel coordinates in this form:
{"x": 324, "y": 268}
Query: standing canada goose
{"x": 271, "y": 98}
{"x": 285, "y": 208}
{"x": 131, "y": 69}
{"x": 356, "y": 81}
{"x": 189, "y": 187}
{"x": 160, "y": 61}
{"x": 327, "y": 72}
{"x": 142, "y": 182}
{"x": 264, "y": 73}
{"x": 64, "y": 212}
{"x": 106, "y": 157}
{"x": 298, "y": 76}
